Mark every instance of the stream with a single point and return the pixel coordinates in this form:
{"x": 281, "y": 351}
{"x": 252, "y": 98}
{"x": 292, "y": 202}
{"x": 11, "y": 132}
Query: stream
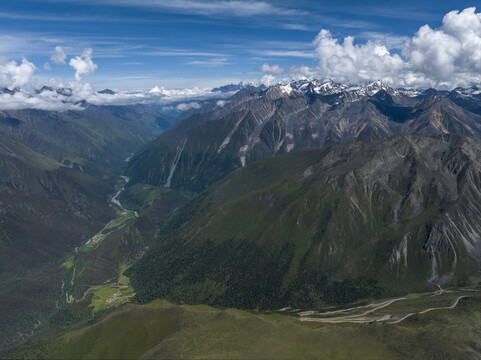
{"x": 99, "y": 236}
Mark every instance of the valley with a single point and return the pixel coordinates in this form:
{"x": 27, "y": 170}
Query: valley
{"x": 364, "y": 232}
{"x": 105, "y": 295}
{"x": 240, "y": 179}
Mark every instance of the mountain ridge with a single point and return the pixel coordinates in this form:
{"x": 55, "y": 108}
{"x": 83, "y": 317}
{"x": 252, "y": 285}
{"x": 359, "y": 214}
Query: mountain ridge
{"x": 259, "y": 123}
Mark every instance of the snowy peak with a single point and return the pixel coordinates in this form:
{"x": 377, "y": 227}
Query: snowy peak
{"x": 468, "y": 92}
{"x": 354, "y": 92}
{"x": 329, "y": 87}
{"x": 309, "y": 87}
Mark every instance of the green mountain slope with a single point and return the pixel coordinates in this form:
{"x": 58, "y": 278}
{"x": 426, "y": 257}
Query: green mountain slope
{"x": 97, "y": 136}
{"x": 162, "y": 330}
{"x": 46, "y": 209}
{"x": 328, "y": 225}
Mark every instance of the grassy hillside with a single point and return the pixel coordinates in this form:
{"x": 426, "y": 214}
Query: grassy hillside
{"x": 162, "y": 330}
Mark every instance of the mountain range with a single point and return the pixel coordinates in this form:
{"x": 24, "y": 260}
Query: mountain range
{"x": 258, "y": 123}
{"x": 310, "y": 194}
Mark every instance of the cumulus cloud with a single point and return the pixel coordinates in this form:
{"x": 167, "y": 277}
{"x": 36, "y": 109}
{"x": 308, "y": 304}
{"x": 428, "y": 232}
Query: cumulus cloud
{"x": 59, "y": 56}
{"x": 452, "y": 50}
{"x": 445, "y": 57}
{"x": 355, "y": 63}
{"x": 46, "y": 66}
{"x": 271, "y": 69}
{"x": 15, "y": 76}
{"x": 302, "y": 72}
{"x": 268, "y": 80}
{"x": 83, "y": 64}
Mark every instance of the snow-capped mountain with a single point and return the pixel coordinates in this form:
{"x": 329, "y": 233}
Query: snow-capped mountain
{"x": 257, "y": 123}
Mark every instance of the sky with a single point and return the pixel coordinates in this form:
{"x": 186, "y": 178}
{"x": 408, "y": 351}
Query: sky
{"x": 138, "y": 45}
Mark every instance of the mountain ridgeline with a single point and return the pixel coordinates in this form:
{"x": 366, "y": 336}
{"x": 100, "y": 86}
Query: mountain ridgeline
{"x": 329, "y": 225}
{"x": 94, "y": 138}
{"x": 258, "y": 123}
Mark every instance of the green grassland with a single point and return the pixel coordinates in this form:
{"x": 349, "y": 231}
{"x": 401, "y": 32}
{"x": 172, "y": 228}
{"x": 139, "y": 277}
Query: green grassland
{"x": 141, "y": 197}
{"x": 68, "y": 263}
{"x": 96, "y": 271}
{"x": 165, "y": 330}
{"x": 123, "y": 218}
{"x": 102, "y": 293}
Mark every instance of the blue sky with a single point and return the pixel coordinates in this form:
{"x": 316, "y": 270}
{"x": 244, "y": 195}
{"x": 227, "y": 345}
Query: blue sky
{"x": 185, "y": 43}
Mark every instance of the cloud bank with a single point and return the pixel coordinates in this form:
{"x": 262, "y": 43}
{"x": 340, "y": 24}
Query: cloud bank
{"x": 19, "y": 89}
{"x": 446, "y": 57}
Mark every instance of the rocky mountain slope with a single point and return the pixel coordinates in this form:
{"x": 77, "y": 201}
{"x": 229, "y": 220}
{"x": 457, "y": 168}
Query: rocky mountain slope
{"x": 258, "y": 123}
{"x": 328, "y": 225}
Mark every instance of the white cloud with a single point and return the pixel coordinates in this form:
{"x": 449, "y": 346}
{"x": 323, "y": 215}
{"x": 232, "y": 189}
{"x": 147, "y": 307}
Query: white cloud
{"x": 20, "y": 77}
{"x": 233, "y": 8}
{"x": 83, "y": 64}
{"x": 348, "y": 62}
{"x": 302, "y": 72}
{"x": 220, "y": 103}
{"x": 391, "y": 41}
{"x": 446, "y": 57}
{"x": 271, "y": 69}
{"x": 453, "y": 50}
{"x": 300, "y": 27}
{"x": 47, "y": 100}
{"x": 288, "y": 53}
{"x": 188, "y": 106}
{"x": 268, "y": 80}
{"x": 210, "y": 62}
{"x": 13, "y": 75}
{"x": 58, "y": 56}
{"x": 46, "y": 66}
